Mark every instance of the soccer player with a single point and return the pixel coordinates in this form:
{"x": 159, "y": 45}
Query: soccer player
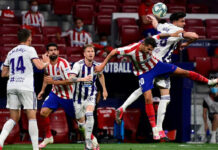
{"x": 163, "y": 52}
{"x": 85, "y": 94}
{"x": 61, "y": 94}
{"x": 20, "y": 90}
{"x": 147, "y": 67}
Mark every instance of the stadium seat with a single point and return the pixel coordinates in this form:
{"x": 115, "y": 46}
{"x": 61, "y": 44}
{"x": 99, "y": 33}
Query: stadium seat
{"x": 131, "y": 118}
{"x": 194, "y": 8}
{"x": 8, "y": 40}
{"x": 74, "y": 57}
{"x": 180, "y": 2}
{"x": 58, "y": 124}
{"x": 129, "y": 8}
{"x": 14, "y": 136}
{"x": 201, "y": 62}
{"x": 4, "y": 20}
{"x": 53, "y": 39}
{"x": 137, "y": 2}
{"x": 74, "y": 50}
{"x": 4, "y": 51}
{"x": 129, "y": 34}
{"x": 214, "y": 64}
{"x": 86, "y": 1}
{"x": 125, "y": 21}
{"x": 62, "y": 7}
{"x": 106, "y": 118}
{"x": 40, "y": 48}
{"x": 37, "y": 39}
{"x": 43, "y": 1}
{"x": 109, "y": 1}
{"x": 194, "y": 52}
{"x": 107, "y": 8}
{"x": 212, "y": 33}
{"x": 199, "y": 30}
{"x": 85, "y": 11}
{"x": 50, "y": 30}
{"x": 172, "y": 8}
{"x": 194, "y": 22}
{"x": 11, "y": 25}
{"x": 103, "y": 24}
{"x": 8, "y": 30}
{"x": 211, "y": 22}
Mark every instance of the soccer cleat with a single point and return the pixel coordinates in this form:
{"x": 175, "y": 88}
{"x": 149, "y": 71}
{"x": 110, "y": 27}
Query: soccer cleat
{"x": 156, "y": 135}
{"x": 95, "y": 144}
{"x": 212, "y": 82}
{"x": 97, "y": 147}
{"x": 46, "y": 141}
{"x": 1, "y": 147}
{"x": 119, "y": 115}
{"x": 163, "y": 136}
{"x": 88, "y": 144}
{"x": 213, "y": 140}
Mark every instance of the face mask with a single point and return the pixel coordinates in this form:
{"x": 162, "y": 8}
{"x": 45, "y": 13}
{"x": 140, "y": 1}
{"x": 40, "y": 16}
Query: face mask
{"x": 79, "y": 29}
{"x": 214, "y": 90}
{"x": 103, "y": 43}
{"x": 34, "y": 8}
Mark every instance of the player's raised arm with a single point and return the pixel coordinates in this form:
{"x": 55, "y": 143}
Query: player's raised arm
{"x": 100, "y": 67}
{"x": 102, "y": 82}
{"x": 41, "y": 64}
{"x": 153, "y": 20}
{"x": 191, "y": 37}
{"x": 166, "y": 35}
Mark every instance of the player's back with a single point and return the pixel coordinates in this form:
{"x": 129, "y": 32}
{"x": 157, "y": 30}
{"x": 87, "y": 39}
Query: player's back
{"x": 166, "y": 46}
{"x": 19, "y": 61}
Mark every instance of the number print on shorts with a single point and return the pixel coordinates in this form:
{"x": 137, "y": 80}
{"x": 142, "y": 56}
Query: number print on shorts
{"x": 141, "y": 81}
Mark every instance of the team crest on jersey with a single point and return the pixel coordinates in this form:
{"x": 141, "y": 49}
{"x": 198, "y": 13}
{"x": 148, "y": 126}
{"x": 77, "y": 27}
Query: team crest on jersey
{"x": 58, "y": 70}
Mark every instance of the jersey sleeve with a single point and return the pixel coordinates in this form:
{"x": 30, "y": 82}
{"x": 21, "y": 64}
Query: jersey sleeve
{"x": 6, "y": 62}
{"x": 76, "y": 69}
{"x": 127, "y": 50}
{"x": 89, "y": 38}
{"x": 64, "y": 34}
{"x": 156, "y": 37}
{"x": 33, "y": 54}
{"x": 205, "y": 104}
{"x": 42, "y": 20}
{"x": 24, "y": 20}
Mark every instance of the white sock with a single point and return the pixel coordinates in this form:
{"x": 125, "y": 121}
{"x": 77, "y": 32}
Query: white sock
{"x": 133, "y": 97}
{"x": 33, "y": 131}
{"x": 89, "y": 124}
{"x": 213, "y": 135}
{"x": 8, "y": 126}
{"x": 162, "y": 110}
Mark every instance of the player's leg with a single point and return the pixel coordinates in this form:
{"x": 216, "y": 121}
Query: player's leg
{"x": 151, "y": 114}
{"x": 214, "y": 128}
{"x": 133, "y": 97}
{"x": 14, "y": 105}
{"x": 194, "y": 76}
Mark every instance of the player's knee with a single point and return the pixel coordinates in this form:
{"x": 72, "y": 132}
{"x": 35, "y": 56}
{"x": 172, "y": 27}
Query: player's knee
{"x": 44, "y": 113}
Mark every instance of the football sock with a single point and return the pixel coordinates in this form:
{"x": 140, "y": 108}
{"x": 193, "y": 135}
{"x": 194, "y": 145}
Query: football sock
{"x": 197, "y": 77}
{"x": 89, "y": 124}
{"x": 133, "y": 97}
{"x": 8, "y": 126}
{"x": 33, "y": 131}
{"x": 48, "y": 133}
{"x": 162, "y": 110}
{"x": 151, "y": 114}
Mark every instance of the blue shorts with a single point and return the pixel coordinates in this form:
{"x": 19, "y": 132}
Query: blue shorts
{"x": 146, "y": 79}
{"x": 54, "y": 102}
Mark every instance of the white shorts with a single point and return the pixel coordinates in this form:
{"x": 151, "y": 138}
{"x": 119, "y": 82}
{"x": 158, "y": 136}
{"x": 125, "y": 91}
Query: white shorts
{"x": 17, "y": 98}
{"x": 80, "y": 109}
{"x": 163, "y": 82}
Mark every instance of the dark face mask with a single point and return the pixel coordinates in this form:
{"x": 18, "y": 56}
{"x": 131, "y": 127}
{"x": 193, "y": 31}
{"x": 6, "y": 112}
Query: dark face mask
{"x": 53, "y": 57}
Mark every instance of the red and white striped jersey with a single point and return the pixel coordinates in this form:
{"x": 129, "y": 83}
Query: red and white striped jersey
{"x": 141, "y": 62}
{"x": 36, "y": 20}
{"x": 78, "y": 39}
{"x": 60, "y": 71}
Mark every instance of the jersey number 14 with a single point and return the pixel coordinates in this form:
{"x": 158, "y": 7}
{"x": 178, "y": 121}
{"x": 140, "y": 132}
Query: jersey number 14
{"x": 19, "y": 65}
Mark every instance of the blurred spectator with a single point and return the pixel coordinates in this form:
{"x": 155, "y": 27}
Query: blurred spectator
{"x": 210, "y": 107}
{"x": 33, "y": 17}
{"x": 146, "y": 27}
{"x": 78, "y": 37}
{"x": 102, "y": 48}
{"x": 7, "y": 13}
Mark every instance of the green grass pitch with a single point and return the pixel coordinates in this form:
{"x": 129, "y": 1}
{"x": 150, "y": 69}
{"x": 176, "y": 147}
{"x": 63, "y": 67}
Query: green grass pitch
{"x": 123, "y": 146}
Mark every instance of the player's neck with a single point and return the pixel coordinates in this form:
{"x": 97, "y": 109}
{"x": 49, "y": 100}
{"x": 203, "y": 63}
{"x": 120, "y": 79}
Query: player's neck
{"x": 54, "y": 62}
{"x": 24, "y": 43}
{"x": 88, "y": 62}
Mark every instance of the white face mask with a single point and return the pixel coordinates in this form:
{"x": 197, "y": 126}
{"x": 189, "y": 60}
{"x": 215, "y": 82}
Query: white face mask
{"x": 34, "y": 8}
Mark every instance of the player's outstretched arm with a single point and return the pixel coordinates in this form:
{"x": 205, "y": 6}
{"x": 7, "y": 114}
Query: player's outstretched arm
{"x": 44, "y": 85}
{"x": 100, "y": 67}
{"x": 175, "y": 34}
{"x": 41, "y": 64}
{"x": 5, "y": 72}
{"x": 191, "y": 37}
{"x": 153, "y": 20}
{"x": 102, "y": 82}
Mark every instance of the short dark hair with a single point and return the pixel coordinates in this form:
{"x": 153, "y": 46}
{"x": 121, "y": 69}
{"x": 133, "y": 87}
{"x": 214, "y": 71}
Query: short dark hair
{"x": 23, "y": 35}
{"x": 51, "y": 44}
{"x": 31, "y": 1}
{"x": 176, "y": 16}
{"x": 87, "y": 45}
{"x": 150, "y": 41}
{"x": 75, "y": 20}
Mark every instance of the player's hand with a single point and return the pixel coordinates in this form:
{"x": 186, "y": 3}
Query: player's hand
{"x": 177, "y": 33}
{"x": 88, "y": 78}
{"x": 45, "y": 58}
{"x": 183, "y": 45}
{"x": 99, "y": 68}
{"x": 48, "y": 80}
{"x": 150, "y": 18}
{"x": 105, "y": 94}
{"x": 40, "y": 95}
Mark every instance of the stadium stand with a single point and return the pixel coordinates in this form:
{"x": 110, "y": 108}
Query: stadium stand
{"x": 194, "y": 52}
